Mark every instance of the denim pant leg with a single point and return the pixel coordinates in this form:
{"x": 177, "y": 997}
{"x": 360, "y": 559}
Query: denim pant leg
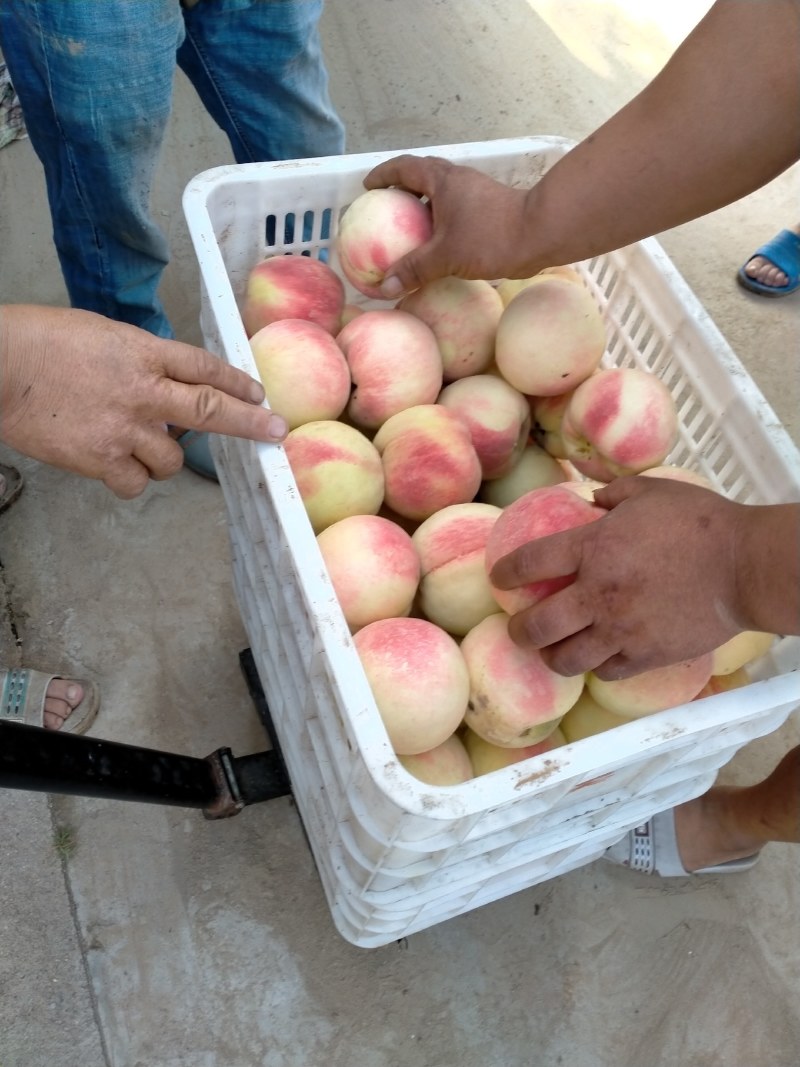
{"x": 258, "y": 67}
{"x": 95, "y": 83}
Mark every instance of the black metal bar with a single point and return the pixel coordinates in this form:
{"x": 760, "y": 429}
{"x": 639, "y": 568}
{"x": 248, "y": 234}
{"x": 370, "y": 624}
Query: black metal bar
{"x": 49, "y": 761}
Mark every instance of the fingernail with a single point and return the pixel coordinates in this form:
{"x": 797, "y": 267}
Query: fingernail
{"x": 277, "y": 427}
{"x": 256, "y": 393}
{"x": 391, "y": 287}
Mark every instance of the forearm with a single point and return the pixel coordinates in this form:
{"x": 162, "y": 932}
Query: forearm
{"x": 721, "y": 120}
{"x": 768, "y": 568}
{"x": 21, "y": 363}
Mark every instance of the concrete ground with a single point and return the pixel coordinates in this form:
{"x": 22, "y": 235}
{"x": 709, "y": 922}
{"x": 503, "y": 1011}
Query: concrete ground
{"x": 137, "y": 936}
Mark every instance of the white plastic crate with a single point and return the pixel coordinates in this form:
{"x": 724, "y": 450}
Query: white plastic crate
{"x": 396, "y": 856}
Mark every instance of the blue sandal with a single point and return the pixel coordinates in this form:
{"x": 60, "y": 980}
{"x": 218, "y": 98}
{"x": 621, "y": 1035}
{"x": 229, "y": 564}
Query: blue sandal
{"x": 197, "y": 454}
{"x": 784, "y": 252}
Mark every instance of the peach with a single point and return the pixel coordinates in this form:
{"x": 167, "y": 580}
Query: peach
{"x": 293, "y": 287}
{"x": 463, "y": 316}
{"x": 337, "y": 469}
{"x": 302, "y": 369}
{"x": 740, "y": 650}
{"x": 620, "y": 421}
{"x": 349, "y": 312}
{"x": 515, "y": 700}
{"x": 447, "y": 764}
{"x": 486, "y": 757}
{"x": 584, "y": 488}
{"x": 508, "y": 288}
{"x": 586, "y": 718}
{"x": 534, "y": 469}
{"x": 429, "y": 460}
{"x": 454, "y": 590}
{"x": 418, "y": 678}
{"x": 724, "y": 683}
{"x": 538, "y": 513}
{"x": 377, "y": 229}
{"x": 373, "y": 566}
{"x": 679, "y": 474}
{"x": 394, "y": 364}
{"x": 498, "y": 417}
{"x": 550, "y": 338}
{"x": 656, "y": 690}
{"x": 547, "y": 414}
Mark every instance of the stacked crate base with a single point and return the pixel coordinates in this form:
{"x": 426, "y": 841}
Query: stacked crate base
{"x": 396, "y": 856}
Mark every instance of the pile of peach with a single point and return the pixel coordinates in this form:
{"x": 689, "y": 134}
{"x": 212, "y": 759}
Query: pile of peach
{"x": 430, "y": 438}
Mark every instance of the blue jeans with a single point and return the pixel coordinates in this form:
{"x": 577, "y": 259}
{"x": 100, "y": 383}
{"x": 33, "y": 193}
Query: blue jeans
{"x": 95, "y": 77}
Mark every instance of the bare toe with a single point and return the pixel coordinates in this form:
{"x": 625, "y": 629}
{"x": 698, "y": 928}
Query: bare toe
{"x": 764, "y": 271}
{"x": 63, "y": 696}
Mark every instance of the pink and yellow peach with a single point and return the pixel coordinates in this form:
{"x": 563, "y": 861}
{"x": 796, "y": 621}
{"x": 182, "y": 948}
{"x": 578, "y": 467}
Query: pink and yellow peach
{"x": 486, "y": 757}
{"x": 419, "y": 681}
{"x": 337, "y": 469}
{"x": 394, "y": 364}
{"x": 293, "y": 287}
{"x": 536, "y": 514}
{"x": 447, "y": 764}
{"x": 373, "y": 566}
{"x": 377, "y": 229}
{"x": 515, "y": 699}
{"x": 741, "y": 650}
{"x": 652, "y": 691}
{"x": 550, "y": 338}
{"x": 498, "y": 417}
{"x": 586, "y": 718}
{"x": 429, "y": 461}
{"x": 534, "y": 469}
{"x": 463, "y": 316}
{"x": 454, "y": 589}
{"x": 620, "y": 421}
{"x": 302, "y": 369}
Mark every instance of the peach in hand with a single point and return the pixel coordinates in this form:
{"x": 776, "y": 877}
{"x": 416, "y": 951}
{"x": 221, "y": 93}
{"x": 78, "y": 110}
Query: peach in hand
{"x": 378, "y": 228}
{"x": 538, "y": 513}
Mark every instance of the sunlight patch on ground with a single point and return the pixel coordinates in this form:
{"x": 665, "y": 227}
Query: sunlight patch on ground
{"x": 603, "y": 34}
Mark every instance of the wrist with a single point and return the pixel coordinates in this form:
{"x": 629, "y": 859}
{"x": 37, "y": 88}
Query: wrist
{"x": 768, "y": 568}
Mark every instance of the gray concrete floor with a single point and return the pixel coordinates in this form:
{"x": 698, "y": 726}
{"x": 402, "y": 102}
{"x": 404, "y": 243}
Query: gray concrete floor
{"x": 157, "y": 939}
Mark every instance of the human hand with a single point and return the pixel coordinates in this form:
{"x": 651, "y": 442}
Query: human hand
{"x": 94, "y": 396}
{"x": 655, "y": 580}
{"x": 479, "y": 224}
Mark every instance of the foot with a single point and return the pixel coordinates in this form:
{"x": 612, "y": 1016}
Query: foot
{"x": 764, "y": 271}
{"x": 63, "y": 696}
{"x": 707, "y": 835}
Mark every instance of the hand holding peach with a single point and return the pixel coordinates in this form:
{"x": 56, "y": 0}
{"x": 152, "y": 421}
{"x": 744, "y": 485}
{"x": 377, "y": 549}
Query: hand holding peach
{"x": 655, "y": 580}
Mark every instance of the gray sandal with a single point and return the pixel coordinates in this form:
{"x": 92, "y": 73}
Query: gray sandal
{"x": 23, "y": 693}
{"x": 652, "y": 848}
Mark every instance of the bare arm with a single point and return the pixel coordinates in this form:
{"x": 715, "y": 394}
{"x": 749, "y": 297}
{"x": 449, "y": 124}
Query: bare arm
{"x": 94, "y": 396}
{"x": 720, "y": 120}
{"x": 672, "y": 571}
